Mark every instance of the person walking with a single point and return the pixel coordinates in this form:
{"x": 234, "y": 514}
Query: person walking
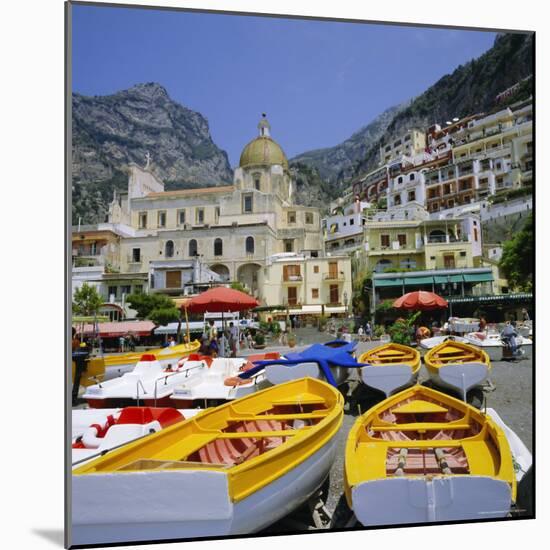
{"x": 233, "y": 339}
{"x": 368, "y": 331}
{"x": 213, "y": 338}
{"x": 510, "y": 334}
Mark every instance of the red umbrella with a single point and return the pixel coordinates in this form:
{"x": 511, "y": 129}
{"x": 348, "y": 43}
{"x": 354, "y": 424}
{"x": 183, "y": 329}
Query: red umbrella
{"x": 221, "y": 299}
{"x": 420, "y": 300}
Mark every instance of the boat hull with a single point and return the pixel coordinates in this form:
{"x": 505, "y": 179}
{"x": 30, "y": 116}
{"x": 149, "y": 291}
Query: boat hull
{"x": 390, "y": 378}
{"x": 405, "y": 500}
{"x": 280, "y": 373}
{"x": 460, "y": 377}
{"x": 104, "y": 506}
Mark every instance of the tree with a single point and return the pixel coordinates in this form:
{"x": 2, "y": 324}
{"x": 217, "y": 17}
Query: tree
{"x": 517, "y": 258}
{"x": 159, "y": 308}
{"x": 86, "y": 300}
{"x": 236, "y": 285}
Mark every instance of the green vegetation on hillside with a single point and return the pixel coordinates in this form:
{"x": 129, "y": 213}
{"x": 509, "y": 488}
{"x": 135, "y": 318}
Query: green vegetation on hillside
{"x": 518, "y": 258}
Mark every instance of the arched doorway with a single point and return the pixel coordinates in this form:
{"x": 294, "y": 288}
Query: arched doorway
{"x": 222, "y": 270}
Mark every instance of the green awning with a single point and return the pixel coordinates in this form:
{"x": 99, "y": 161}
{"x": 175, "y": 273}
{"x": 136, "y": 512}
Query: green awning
{"x": 455, "y": 278}
{"x": 411, "y": 281}
{"x": 441, "y": 279}
{"x": 388, "y": 282}
{"x": 478, "y": 277}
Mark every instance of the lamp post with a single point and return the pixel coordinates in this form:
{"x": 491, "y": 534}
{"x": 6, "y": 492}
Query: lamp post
{"x": 346, "y": 302}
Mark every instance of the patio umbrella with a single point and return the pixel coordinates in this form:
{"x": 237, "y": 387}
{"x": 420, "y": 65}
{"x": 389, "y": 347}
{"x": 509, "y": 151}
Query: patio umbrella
{"x": 420, "y": 300}
{"x": 223, "y": 300}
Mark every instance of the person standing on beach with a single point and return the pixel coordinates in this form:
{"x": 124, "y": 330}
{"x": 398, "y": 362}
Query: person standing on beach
{"x": 233, "y": 339}
{"x": 213, "y": 338}
{"x": 368, "y": 331}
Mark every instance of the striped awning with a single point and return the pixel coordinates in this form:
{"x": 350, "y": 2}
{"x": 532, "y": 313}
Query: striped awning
{"x": 412, "y": 281}
{"x": 444, "y": 279}
{"x": 114, "y": 329}
{"x": 388, "y": 282}
{"x": 478, "y": 277}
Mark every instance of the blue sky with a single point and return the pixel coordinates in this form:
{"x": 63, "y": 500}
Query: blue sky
{"x": 318, "y": 81}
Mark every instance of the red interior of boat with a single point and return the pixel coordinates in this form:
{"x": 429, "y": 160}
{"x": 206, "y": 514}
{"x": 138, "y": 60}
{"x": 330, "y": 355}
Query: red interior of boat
{"x": 237, "y": 450}
{"x": 423, "y": 461}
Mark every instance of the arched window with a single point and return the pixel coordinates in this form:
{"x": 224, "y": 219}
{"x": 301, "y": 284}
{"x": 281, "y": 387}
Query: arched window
{"x": 249, "y": 245}
{"x": 218, "y": 247}
{"x": 193, "y": 248}
{"x": 169, "y": 249}
{"x": 411, "y": 177}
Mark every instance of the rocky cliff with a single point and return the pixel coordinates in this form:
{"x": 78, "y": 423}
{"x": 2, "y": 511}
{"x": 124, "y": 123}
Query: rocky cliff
{"x": 336, "y": 164}
{"x": 111, "y": 131}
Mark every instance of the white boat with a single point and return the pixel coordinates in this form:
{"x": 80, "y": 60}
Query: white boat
{"x": 429, "y": 343}
{"x": 220, "y": 382}
{"x": 95, "y": 431}
{"x": 232, "y": 470}
{"x": 521, "y": 455}
{"x": 491, "y": 343}
{"x": 149, "y": 383}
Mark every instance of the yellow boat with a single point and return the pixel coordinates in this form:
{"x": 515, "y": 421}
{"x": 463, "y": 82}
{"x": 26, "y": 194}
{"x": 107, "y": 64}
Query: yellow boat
{"x": 392, "y": 367}
{"x": 233, "y": 469}
{"x": 107, "y": 367}
{"x": 423, "y": 456}
{"x": 457, "y": 366}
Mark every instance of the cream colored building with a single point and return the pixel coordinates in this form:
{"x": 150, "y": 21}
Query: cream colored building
{"x": 232, "y": 230}
{"x": 308, "y": 282}
{"x": 412, "y": 143}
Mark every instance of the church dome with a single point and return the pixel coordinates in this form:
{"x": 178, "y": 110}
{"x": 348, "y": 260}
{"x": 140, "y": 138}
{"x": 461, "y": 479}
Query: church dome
{"x": 263, "y": 150}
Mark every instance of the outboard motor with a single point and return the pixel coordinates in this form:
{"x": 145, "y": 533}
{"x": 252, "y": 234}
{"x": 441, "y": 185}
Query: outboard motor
{"x": 507, "y": 353}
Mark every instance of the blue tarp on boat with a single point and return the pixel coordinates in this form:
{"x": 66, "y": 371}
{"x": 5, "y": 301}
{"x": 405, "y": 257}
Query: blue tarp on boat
{"x": 335, "y": 353}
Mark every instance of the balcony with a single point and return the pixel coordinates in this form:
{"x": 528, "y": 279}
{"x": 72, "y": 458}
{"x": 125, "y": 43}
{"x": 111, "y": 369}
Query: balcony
{"x": 337, "y": 276}
{"x": 292, "y": 279}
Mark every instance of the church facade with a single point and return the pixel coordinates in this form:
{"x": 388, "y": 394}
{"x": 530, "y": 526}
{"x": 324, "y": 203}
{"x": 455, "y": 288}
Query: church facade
{"x": 244, "y": 232}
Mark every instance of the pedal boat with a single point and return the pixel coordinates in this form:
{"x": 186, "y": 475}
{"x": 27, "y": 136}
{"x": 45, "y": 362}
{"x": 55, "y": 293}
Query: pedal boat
{"x": 423, "y": 456}
{"x": 149, "y": 383}
{"x": 231, "y": 470}
{"x": 391, "y": 367}
{"x": 457, "y": 366}
{"x": 330, "y": 362}
{"x": 97, "y": 430}
{"x": 113, "y": 366}
{"x": 225, "y": 379}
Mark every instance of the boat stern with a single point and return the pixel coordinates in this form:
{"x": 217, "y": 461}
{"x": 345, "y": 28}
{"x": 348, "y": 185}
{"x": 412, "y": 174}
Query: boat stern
{"x": 402, "y": 500}
{"x": 149, "y": 505}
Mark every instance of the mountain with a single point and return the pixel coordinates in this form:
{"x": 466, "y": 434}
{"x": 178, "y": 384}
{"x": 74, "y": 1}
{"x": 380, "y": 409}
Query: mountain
{"x": 111, "y": 131}
{"x": 335, "y": 164}
{"x": 472, "y": 88}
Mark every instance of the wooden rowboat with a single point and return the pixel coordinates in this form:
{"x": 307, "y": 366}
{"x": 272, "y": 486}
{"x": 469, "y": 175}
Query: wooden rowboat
{"x": 391, "y": 367}
{"x": 457, "y": 366}
{"x": 233, "y": 469}
{"x": 423, "y": 456}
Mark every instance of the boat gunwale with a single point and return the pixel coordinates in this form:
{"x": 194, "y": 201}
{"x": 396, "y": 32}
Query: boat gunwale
{"x": 489, "y": 429}
{"x": 411, "y": 357}
{"x": 316, "y": 437}
{"x": 434, "y": 364}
